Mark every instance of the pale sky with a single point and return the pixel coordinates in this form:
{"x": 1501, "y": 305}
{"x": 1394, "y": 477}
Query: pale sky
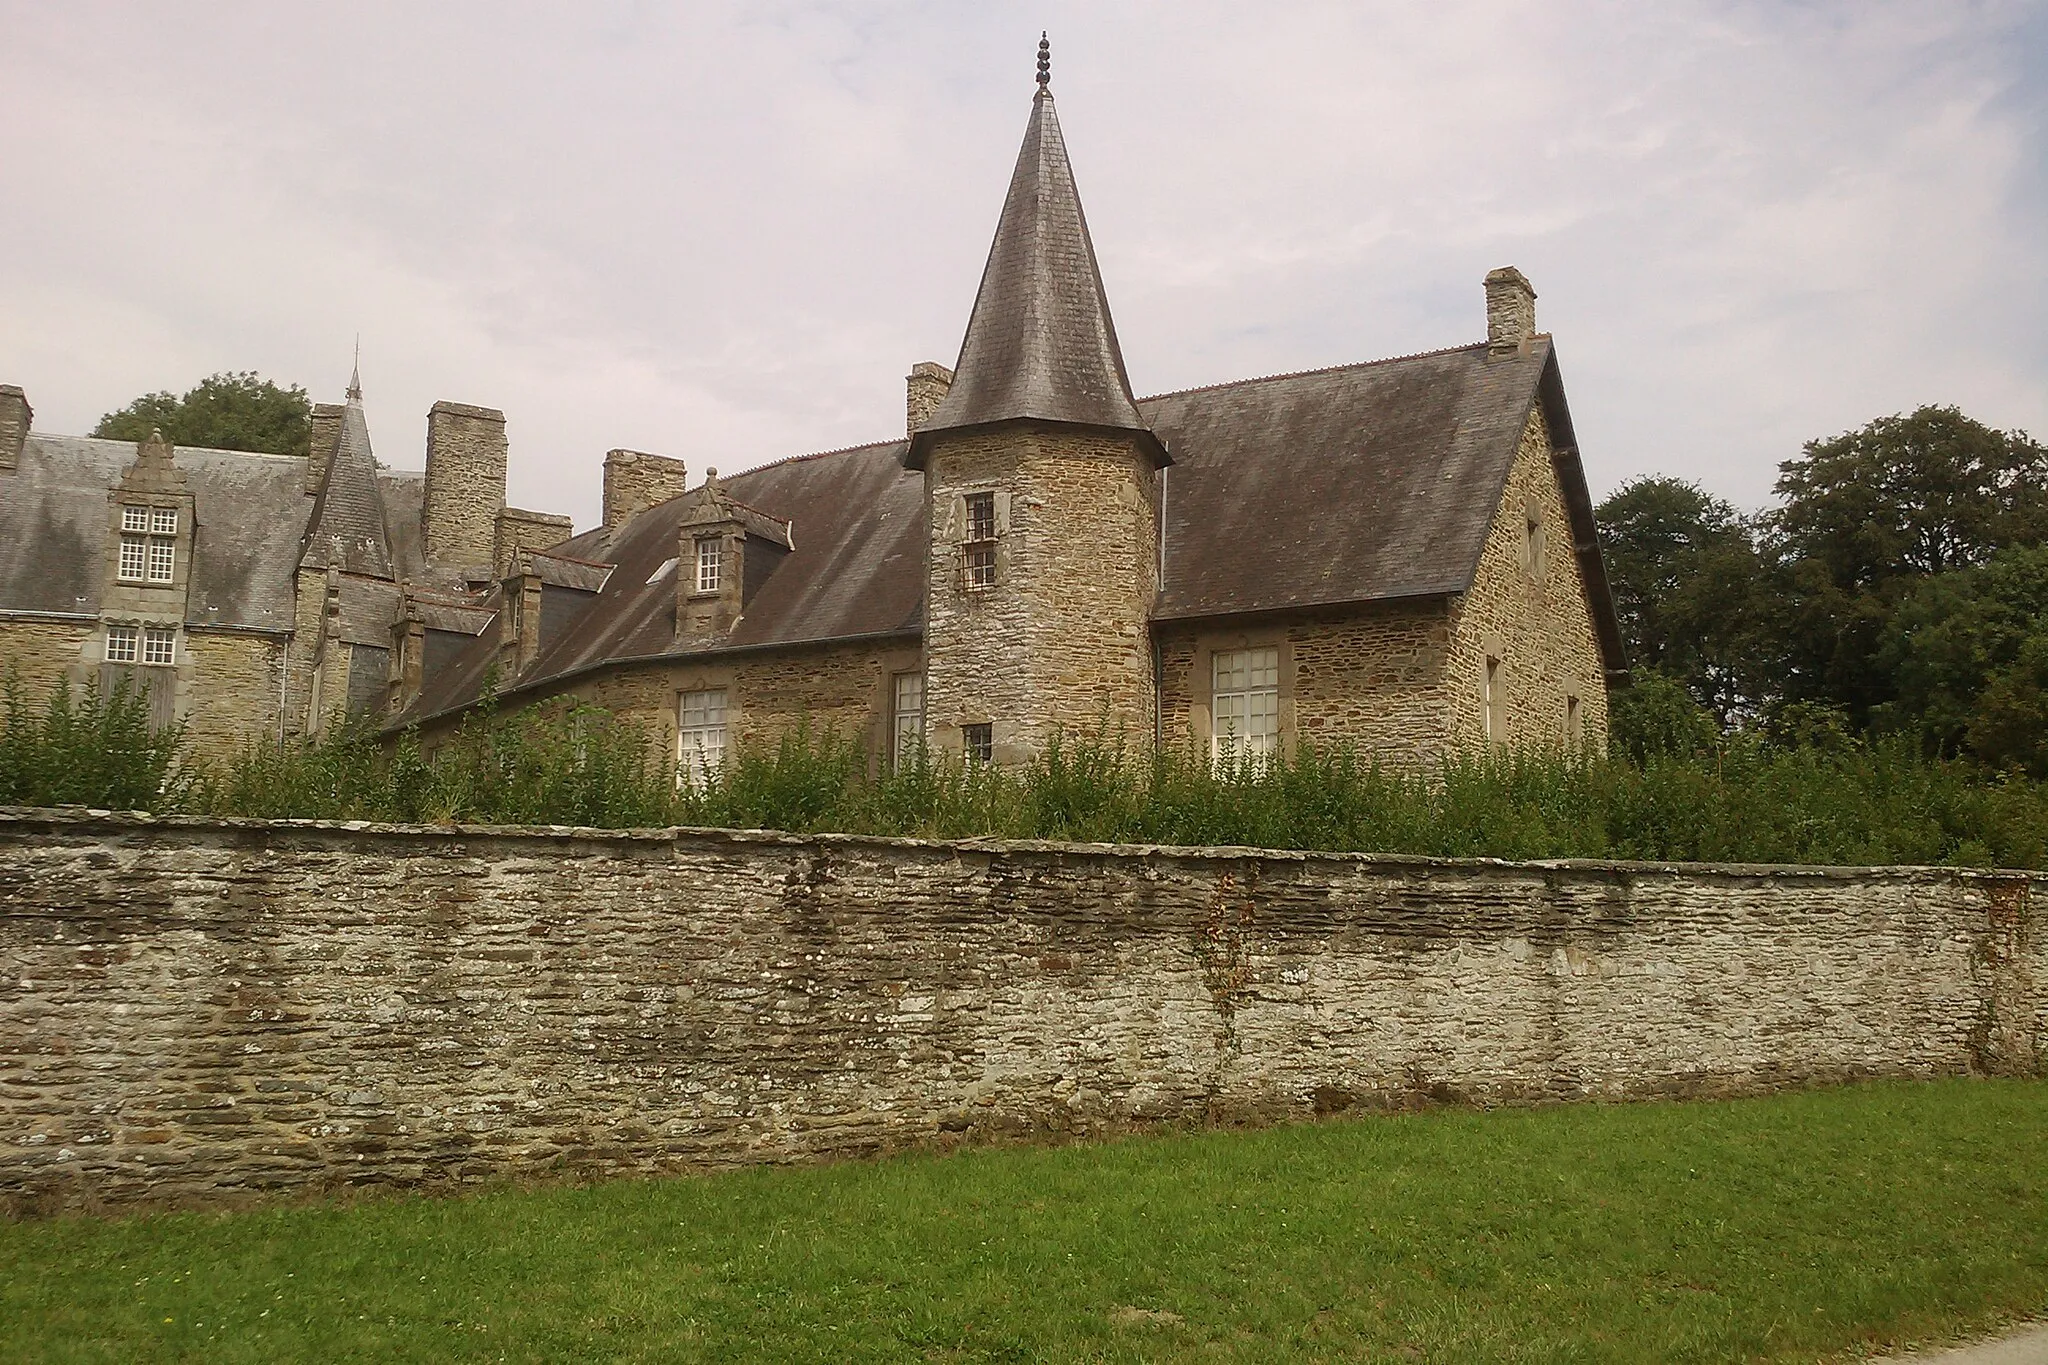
{"x": 725, "y": 232}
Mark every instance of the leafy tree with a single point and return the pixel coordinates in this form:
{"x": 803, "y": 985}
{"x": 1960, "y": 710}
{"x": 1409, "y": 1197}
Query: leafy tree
{"x": 1952, "y": 636}
{"x": 2010, "y": 727}
{"x": 1870, "y": 514}
{"x": 222, "y": 412}
{"x": 1685, "y": 574}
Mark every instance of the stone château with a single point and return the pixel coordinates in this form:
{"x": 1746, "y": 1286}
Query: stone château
{"x": 1398, "y": 554}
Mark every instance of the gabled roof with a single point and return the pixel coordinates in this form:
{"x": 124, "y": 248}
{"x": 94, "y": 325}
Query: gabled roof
{"x": 1355, "y": 484}
{"x": 1040, "y": 343}
{"x": 250, "y": 514}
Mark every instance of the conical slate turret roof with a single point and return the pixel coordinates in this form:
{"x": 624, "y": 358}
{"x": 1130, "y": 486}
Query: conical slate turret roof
{"x": 347, "y": 530}
{"x": 1040, "y": 343}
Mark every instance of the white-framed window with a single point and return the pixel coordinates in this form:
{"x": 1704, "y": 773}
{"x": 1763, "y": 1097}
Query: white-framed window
{"x": 149, "y": 545}
{"x": 122, "y": 642}
{"x": 979, "y": 742}
{"x": 906, "y": 728}
{"x": 700, "y": 733}
{"x": 710, "y": 564}
{"x": 1244, "y": 704}
{"x": 160, "y": 645}
{"x": 1493, "y": 703}
{"x": 134, "y": 558}
{"x": 980, "y": 554}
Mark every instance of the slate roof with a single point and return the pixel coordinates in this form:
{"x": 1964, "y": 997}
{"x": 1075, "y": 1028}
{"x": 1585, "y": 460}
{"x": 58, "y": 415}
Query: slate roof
{"x": 348, "y": 530}
{"x": 251, "y": 513}
{"x": 1040, "y": 342}
{"x": 1355, "y": 484}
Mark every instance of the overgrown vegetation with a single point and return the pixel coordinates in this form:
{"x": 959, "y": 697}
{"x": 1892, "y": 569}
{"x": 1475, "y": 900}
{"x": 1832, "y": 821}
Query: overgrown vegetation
{"x": 1796, "y": 1228}
{"x": 1676, "y": 789}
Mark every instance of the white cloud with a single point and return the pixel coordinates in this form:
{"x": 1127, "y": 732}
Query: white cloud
{"x": 725, "y": 231}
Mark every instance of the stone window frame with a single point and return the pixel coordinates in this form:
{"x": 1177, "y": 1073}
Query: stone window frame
{"x": 900, "y": 743}
{"x": 1493, "y": 696}
{"x": 979, "y": 542}
{"x": 1574, "y": 718}
{"x": 691, "y": 769}
{"x": 146, "y": 553}
{"x": 1228, "y": 749}
{"x": 708, "y": 573}
{"x": 159, "y": 647}
{"x": 1202, "y": 681}
{"x": 123, "y": 644}
{"x": 1535, "y": 539}
{"x": 978, "y": 741}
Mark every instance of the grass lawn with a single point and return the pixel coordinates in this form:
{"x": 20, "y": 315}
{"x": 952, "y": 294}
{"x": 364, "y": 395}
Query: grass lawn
{"x": 1795, "y": 1228}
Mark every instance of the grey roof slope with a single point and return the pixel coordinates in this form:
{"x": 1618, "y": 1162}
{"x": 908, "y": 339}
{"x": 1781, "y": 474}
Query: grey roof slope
{"x": 1040, "y": 342}
{"x": 856, "y": 516}
{"x": 1367, "y": 481}
{"x": 347, "y": 530}
{"x": 1360, "y": 483}
{"x": 54, "y": 526}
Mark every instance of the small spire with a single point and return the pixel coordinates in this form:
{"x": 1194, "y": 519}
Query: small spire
{"x": 1044, "y": 64}
{"x": 355, "y": 375}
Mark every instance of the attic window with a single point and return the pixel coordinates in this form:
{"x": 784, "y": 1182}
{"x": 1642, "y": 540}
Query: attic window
{"x": 710, "y": 564}
{"x": 149, "y": 547}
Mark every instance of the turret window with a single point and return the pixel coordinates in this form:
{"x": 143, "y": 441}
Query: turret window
{"x": 981, "y": 540}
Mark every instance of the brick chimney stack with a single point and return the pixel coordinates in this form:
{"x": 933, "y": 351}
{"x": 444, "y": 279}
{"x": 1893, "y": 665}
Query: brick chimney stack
{"x": 1510, "y": 310}
{"x": 15, "y": 416}
{"x": 925, "y": 389}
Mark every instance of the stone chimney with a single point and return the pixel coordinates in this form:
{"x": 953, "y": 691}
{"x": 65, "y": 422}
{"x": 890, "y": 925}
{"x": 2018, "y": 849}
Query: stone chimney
{"x": 519, "y": 529}
{"x": 635, "y": 481}
{"x": 326, "y": 436}
{"x": 925, "y": 389}
{"x": 1510, "y": 310}
{"x": 15, "y": 416}
{"x": 465, "y": 486}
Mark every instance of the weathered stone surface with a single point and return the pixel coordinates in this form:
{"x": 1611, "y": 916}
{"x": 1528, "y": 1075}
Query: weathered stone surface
{"x": 195, "y": 1011}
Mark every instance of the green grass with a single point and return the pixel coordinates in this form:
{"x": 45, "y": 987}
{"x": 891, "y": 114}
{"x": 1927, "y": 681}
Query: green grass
{"x": 1784, "y": 1229}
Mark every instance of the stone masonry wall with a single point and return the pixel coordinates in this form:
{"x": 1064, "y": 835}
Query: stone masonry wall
{"x": 43, "y": 651}
{"x": 195, "y": 1012}
{"x": 465, "y": 485}
{"x": 1540, "y": 628}
{"x": 1061, "y": 640}
{"x": 228, "y": 690}
{"x": 1373, "y": 677}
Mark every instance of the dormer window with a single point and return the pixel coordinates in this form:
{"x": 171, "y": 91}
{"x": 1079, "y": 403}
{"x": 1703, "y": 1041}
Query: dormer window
{"x": 149, "y": 544}
{"x": 981, "y": 541}
{"x": 710, "y": 564}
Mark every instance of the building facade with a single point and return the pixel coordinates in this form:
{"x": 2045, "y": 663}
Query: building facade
{"x": 1397, "y": 555}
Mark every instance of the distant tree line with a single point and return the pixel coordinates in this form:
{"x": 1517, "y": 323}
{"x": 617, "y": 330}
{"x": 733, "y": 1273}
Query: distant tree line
{"x": 1899, "y": 588}
{"x": 228, "y": 411}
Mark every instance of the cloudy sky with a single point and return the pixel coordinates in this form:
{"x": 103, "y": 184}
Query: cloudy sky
{"x": 724, "y": 232}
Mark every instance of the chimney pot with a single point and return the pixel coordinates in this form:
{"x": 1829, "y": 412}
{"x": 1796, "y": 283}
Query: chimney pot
{"x": 1510, "y": 310}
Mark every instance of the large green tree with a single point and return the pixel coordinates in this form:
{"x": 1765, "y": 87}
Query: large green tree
{"x": 1685, "y": 574}
{"x": 1871, "y": 514}
{"x": 1957, "y": 649}
{"x": 222, "y": 412}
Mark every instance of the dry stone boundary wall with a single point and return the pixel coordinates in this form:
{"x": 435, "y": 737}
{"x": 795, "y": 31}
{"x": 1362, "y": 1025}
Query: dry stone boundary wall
{"x": 195, "y": 1012}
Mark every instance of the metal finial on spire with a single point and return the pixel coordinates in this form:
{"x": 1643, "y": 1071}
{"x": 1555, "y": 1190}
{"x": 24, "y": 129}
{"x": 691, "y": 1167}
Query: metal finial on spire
{"x": 355, "y": 375}
{"x": 1044, "y": 63}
